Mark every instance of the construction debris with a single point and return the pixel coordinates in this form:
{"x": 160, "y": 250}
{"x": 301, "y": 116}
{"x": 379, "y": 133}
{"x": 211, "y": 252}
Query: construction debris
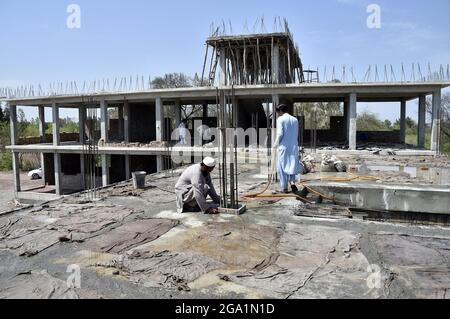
{"x": 332, "y": 164}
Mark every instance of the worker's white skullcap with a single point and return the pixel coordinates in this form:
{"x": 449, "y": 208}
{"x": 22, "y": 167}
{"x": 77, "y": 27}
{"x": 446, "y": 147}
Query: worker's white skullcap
{"x": 209, "y": 161}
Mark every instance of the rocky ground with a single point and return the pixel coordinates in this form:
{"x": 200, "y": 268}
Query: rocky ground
{"x": 133, "y": 244}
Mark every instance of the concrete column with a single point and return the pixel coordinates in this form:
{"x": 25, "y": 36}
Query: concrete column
{"x": 14, "y": 140}
{"x": 126, "y": 122}
{"x": 127, "y": 167}
{"x": 403, "y": 122}
{"x": 346, "y": 118}
{"x": 82, "y": 170}
{"x": 177, "y": 109}
{"x": 105, "y": 170}
{"x": 276, "y": 64}
{"x": 436, "y": 121}
{"x": 205, "y": 110}
{"x": 159, "y": 163}
{"x": 82, "y": 123}
{"x": 58, "y": 174}
{"x": 55, "y": 125}
{"x": 159, "y": 118}
{"x": 352, "y": 122}
{"x": 42, "y": 128}
{"x": 104, "y": 121}
{"x": 16, "y": 172}
{"x": 13, "y": 124}
{"x": 223, "y": 68}
{"x": 421, "y": 122}
{"x": 42, "y": 125}
{"x": 275, "y": 102}
{"x": 120, "y": 115}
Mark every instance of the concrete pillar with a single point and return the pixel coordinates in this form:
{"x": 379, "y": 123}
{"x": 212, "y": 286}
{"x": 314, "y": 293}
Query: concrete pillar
{"x": 82, "y": 170}
{"x": 223, "y": 68}
{"x": 346, "y": 118}
{"x": 177, "y": 109}
{"x": 82, "y": 123}
{"x": 55, "y": 125}
{"x": 120, "y": 115}
{"x": 58, "y": 174}
{"x": 126, "y": 122}
{"x": 13, "y": 124}
{"x": 16, "y": 172}
{"x": 105, "y": 170}
{"x": 159, "y": 163}
{"x": 159, "y": 118}
{"x": 276, "y": 64}
{"x": 104, "y": 121}
{"x": 275, "y": 103}
{"x": 421, "y": 122}
{"x": 42, "y": 128}
{"x": 205, "y": 110}
{"x": 14, "y": 140}
{"x": 352, "y": 122}
{"x": 436, "y": 121}
{"x": 403, "y": 122}
{"x": 42, "y": 125}
{"x": 127, "y": 167}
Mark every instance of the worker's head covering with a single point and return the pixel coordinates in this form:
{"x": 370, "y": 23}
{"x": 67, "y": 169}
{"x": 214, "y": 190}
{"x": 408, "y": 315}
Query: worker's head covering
{"x": 282, "y": 108}
{"x": 209, "y": 162}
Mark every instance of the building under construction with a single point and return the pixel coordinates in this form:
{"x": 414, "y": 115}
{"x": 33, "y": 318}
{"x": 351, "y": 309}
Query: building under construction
{"x": 357, "y": 233}
{"x": 246, "y": 74}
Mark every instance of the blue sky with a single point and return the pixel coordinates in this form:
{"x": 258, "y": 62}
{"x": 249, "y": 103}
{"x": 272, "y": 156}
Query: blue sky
{"x": 142, "y": 37}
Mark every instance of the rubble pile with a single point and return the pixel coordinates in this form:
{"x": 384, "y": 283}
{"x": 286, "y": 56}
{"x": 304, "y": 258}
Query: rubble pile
{"x": 332, "y": 164}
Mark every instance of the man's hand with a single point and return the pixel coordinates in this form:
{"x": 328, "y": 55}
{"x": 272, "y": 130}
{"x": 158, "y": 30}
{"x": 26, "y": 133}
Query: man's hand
{"x": 212, "y": 211}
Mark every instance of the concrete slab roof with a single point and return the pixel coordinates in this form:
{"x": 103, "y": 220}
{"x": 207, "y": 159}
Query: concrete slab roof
{"x": 367, "y": 92}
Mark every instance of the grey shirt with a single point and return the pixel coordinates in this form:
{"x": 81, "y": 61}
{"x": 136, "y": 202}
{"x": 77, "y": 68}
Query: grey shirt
{"x": 192, "y": 178}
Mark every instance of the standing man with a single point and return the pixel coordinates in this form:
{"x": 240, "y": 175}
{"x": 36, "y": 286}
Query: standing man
{"x": 288, "y": 163}
{"x": 194, "y": 186}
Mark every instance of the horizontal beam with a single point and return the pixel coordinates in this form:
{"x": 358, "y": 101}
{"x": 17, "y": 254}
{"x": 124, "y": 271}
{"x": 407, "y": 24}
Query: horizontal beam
{"x": 371, "y": 90}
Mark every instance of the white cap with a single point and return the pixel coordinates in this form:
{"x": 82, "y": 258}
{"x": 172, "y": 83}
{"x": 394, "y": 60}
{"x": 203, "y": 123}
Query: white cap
{"x": 209, "y": 161}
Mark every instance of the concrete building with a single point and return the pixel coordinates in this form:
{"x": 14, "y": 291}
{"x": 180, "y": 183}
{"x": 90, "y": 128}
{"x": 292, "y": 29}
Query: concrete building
{"x": 142, "y": 116}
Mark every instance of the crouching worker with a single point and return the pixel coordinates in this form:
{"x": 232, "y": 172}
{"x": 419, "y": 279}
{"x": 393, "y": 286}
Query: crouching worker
{"x": 194, "y": 186}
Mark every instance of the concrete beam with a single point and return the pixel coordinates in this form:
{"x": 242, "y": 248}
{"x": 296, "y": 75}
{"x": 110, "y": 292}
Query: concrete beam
{"x": 403, "y": 121}
{"x": 105, "y": 170}
{"x": 352, "y": 121}
{"x": 104, "y": 120}
{"x": 159, "y": 116}
{"x": 56, "y": 125}
{"x": 421, "y": 122}
{"x": 436, "y": 122}
{"x": 126, "y": 122}
{"x": 58, "y": 174}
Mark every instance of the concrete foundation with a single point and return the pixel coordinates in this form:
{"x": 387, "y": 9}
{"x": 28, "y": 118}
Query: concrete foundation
{"x": 382, "y": 197}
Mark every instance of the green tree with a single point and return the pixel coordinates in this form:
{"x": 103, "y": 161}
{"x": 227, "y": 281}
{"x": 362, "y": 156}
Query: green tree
{"x": 172, "y": 80}
{"x": 368, "y": 121}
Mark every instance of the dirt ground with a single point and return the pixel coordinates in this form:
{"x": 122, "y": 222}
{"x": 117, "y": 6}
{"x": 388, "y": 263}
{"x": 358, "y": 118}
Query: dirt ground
{"x": 7, "y": 188}
{"x": 133, "y": 244}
